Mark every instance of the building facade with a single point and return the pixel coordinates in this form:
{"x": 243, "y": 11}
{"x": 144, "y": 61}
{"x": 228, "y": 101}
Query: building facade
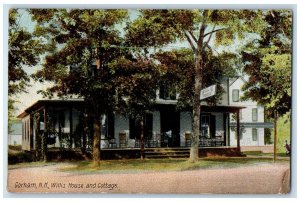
{"x": 67, "y": 124}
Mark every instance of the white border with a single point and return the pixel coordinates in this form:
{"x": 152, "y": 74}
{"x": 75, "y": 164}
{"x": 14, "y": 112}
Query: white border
{"x": 154, "y": 4}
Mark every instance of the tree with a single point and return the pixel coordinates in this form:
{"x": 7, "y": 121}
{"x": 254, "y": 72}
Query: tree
{"x": 268, "y": 63}
{"x": 177, "y": 69}
{"x": 83, "y": 37}
{"x": 24, "y": 50}
{"x": 157, "y": 28}
{"x": 136, "y": 82}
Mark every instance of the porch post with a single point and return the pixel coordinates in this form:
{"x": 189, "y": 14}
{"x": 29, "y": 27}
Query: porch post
{"x": 44, "y": 136}
{"x": 71, "y": 127}
{"x": 238, "y": 130}
{"x": 225, "y": 128}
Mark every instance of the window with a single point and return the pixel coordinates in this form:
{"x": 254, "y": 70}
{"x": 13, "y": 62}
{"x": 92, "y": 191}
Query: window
{"x": 107, "y": 126}
{"x": 254, "y": 134}
{"x": 167, "y": 92}
{"x": 205, "y": 129}
{"x": 254, "y": 114}
{"x": 104, "y": 123}
{"x": 235, "y": 95}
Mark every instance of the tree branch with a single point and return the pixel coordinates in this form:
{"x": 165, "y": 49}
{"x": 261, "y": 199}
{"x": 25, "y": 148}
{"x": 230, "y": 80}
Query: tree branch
{"x": 202, "y": 29}
{"x": 282, "y": 30}
{"x": 192, "y": 35}
{"x": 206, "y": 43}
{"x": 190, "y": 41}
{"x": 205, "y": 35}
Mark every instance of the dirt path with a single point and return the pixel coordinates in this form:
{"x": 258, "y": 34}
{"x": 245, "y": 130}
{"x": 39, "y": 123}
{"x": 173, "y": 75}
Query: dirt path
{"x": 259, "y": 179}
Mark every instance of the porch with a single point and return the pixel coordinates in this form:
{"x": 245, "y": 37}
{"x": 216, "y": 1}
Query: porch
{"x": 55, "y": 154}
{"x": 67, "y": 127}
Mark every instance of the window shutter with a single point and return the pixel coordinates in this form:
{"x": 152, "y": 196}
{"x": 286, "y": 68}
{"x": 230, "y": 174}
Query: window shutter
{"x": 111, "y": 126}
{"x": 212, "y": 126}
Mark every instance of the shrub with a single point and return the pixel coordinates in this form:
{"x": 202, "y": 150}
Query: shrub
{"x": 19, "y": 157}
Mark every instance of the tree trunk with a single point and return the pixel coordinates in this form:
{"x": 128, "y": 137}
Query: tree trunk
{"x": 275, "y": 137}
{"x": 44, "y": 146}
{"x": 142, "y": 139}
{"x": 96, "y": 140}
{"x": 194, "y": 151}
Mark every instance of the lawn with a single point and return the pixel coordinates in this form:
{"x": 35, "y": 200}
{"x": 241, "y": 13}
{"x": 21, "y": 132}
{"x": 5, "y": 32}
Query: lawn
{"x": 283, "y": 131}
{"x": 150, "y": 165}
{"x": 258, "y": 153}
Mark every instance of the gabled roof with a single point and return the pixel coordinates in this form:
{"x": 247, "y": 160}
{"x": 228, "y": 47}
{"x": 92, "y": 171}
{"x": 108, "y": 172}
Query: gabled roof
{"x": 236, "y": 78}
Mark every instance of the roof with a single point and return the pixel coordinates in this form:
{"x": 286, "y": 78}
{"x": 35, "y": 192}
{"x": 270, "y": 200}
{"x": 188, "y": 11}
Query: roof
{"x": 221, "y": 108}
{"x": 237, "y": 78}
{"x": 205, "y": 108}
{"x": 40, "y": 103}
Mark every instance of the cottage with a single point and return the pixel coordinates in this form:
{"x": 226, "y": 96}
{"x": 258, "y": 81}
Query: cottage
{"x": 230, "y": 124}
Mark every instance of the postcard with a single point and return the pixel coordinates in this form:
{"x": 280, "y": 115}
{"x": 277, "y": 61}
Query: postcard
{"x": 153, "y": 101}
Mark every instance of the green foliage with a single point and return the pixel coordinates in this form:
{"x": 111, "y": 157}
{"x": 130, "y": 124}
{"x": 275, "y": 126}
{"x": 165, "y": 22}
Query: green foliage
{"x": 25, "y": 49}
{"x": 82, "y": 37}
{"x": 19, "y": 157}
{"x": 136, "y": 82}
{"x": 284, "y": 132}
{"x": 176, "y": 68}
{"x": 268, "y": 63}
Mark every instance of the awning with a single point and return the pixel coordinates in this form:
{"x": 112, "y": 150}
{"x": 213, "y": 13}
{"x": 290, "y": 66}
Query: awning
{"x": 254, "y": 124}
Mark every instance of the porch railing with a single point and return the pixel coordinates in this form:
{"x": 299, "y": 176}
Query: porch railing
{"x": 164, "y": 141}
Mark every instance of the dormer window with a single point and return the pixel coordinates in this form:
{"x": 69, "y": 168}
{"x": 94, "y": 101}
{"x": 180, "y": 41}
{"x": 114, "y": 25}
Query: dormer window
{"x": 167, "y": 92}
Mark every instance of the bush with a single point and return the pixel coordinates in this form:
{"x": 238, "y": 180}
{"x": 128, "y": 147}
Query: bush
{"x": 15, "y": 147}
{"x": 19, "y": 157}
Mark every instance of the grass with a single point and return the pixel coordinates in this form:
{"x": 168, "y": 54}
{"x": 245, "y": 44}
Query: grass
{"x": 258, "y": 153}
{"x": 283, "y": 132}
{"x": 161, "y": 165}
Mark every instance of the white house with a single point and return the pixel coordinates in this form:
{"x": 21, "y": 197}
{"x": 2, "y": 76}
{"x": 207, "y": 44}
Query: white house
{"x": 164, "y": 126}
{"x": 15, "y": 134}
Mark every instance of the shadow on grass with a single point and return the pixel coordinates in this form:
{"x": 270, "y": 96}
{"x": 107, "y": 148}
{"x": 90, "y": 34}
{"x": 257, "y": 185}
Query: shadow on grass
{"x": 163, "y": 165}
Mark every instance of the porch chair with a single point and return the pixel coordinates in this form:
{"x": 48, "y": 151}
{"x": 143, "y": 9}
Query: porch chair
{"x": 157, "y": 139}
{"x": 188, "y": 139}
{"x": 122, "y": 140}
{"x": 112, "y": 143}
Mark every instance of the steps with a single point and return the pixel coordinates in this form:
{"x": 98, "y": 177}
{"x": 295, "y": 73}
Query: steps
{"x": 157, "y": 153}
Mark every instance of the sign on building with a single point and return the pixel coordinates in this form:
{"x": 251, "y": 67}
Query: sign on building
{"x": 208, "y": 92}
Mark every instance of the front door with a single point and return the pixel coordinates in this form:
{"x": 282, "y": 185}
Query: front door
{"x": 170, "y": 126}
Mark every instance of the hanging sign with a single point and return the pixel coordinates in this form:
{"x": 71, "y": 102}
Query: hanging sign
{"x": 208, "y": 92}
